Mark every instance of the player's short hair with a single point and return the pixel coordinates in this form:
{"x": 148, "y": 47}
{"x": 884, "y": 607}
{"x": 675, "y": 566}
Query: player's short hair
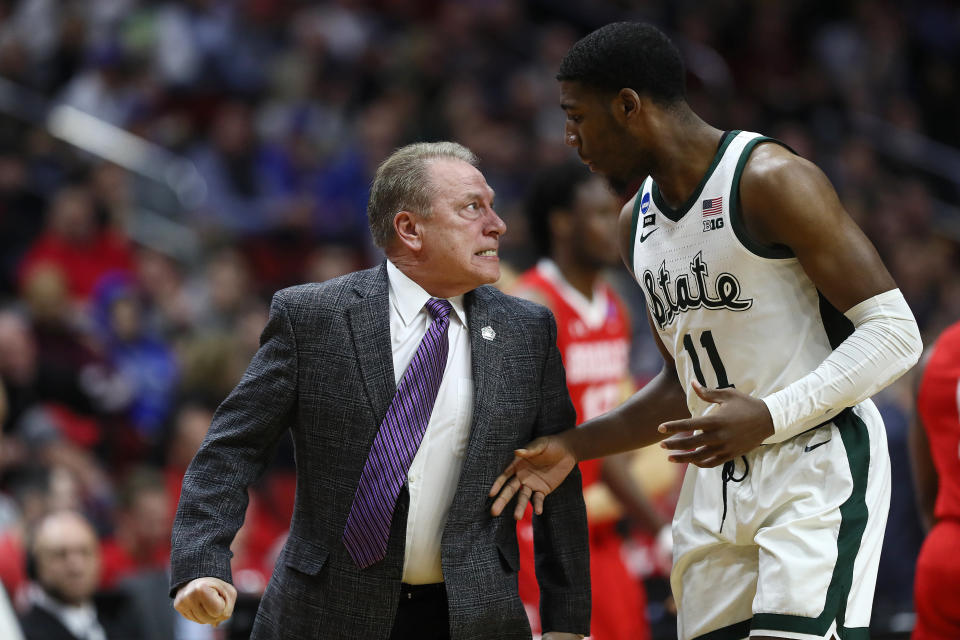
{"x": 402, "y": 184}
{"x": 553, "y": 188}
{"x": 630, "y": 55}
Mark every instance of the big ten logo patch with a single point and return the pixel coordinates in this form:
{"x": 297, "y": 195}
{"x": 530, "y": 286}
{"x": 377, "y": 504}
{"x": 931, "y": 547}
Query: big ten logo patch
{"x": 713, "y": 223}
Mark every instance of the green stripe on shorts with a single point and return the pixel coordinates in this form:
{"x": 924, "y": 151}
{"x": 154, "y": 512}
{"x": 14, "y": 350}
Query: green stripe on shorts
{"x": 735, "y": 631}
{"x": 853, "y": 522}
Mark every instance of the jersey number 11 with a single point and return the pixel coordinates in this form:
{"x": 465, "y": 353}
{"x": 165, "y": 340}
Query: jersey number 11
{"x": 706, "y": 340}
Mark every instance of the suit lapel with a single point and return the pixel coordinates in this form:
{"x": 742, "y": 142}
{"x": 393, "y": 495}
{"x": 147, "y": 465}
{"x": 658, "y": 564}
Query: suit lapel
{"x": 487, "y": 334}
{"x": 370, "y": 330}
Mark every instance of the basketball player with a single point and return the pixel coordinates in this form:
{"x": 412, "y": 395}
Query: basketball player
{"x": 573, "y": 219}
{"x": 935, "y": 453}
{"x": 776, "y": 320}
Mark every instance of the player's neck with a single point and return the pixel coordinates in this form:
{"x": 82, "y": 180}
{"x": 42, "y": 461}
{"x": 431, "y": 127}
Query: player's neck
{"x": 581, "y": 277}
{"x": 686, "y": 148}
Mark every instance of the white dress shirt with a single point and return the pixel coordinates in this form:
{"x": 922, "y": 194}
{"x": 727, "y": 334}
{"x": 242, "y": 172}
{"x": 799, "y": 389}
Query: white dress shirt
{"x": 435, "y": 470}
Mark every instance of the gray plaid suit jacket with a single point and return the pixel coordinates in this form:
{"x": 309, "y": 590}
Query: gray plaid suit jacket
{"x": 325, "y": 371}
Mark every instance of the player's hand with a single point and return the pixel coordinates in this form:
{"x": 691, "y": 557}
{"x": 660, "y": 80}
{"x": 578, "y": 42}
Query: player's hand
{"x": 536, "y": 470}
{"x": 740, "y": 423}
{"x": 206, "y": 600}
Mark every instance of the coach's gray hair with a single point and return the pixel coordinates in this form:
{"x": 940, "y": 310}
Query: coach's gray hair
{"x": 402, "y": 184}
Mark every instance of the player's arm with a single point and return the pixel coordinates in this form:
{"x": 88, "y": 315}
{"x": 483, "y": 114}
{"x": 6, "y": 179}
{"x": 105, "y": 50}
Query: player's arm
{"x": 634, "y": 423}
{"x": 542, "y": 465}
{"x": 788, "y": 201}
{"x": 629, "y": 494}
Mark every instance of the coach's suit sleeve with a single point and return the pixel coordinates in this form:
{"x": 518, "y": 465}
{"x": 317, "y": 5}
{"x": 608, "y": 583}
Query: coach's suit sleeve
{"x": 235, "y": 452}
{"x": 561, "y": 553}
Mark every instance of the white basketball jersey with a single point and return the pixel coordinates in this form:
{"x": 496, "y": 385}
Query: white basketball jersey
{"x": 731, "y": 311}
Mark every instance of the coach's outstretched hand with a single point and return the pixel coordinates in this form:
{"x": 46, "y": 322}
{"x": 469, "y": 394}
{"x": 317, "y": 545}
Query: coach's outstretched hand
{"x": 739, "y": 424}
{"x": 206, "y": 600}
{"x": 536, "y": 470}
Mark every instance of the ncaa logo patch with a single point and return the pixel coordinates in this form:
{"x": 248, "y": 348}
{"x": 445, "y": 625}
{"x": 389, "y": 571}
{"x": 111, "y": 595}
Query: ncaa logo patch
{"x": 649, "y": 219}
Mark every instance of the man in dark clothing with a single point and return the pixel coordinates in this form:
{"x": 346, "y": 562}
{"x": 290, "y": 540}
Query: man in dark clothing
{"x": 64, "y": 563}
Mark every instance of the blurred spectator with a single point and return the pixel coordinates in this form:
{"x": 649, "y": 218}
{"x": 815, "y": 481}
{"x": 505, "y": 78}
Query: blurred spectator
{"x": 200, "y": 43}
{"x": 141, "y": 537}
{"x": 104, "y": 89}
{"x": 143, "y": 359}
{"x": 171, "y": 309}
{"x": 190, "y": 423}
{"x": 113, "y": 196}
{"x": 48, "y": 385}
{"x": 211, "y": 364}
{"x": 21, "y": 216}
{"x": 76, "y": 243}
{"x": 64, "y": 562}
{"x": 225, "y": 286}
{"x": 329, "y": 261}
{"x": 234, "y": 165}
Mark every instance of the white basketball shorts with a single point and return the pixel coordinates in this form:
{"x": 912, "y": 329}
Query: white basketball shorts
{"x": 785, "y": 541}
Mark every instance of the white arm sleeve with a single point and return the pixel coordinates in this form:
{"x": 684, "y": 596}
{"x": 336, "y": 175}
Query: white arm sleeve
{"x": 883, "y": 346}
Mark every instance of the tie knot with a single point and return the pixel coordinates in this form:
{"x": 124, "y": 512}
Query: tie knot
{"x": 439, "y": 308}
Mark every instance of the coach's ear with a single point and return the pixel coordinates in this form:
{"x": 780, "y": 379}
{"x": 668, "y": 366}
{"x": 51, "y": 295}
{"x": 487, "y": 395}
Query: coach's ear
{"x": 406, "y": 225}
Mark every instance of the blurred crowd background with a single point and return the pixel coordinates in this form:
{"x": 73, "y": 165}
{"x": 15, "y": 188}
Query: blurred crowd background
{"x": 166, "y": 165}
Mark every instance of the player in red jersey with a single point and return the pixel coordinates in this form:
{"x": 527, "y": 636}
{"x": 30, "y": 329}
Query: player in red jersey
{"x": 573, "y": 218}
{"x": 935, "y": 453}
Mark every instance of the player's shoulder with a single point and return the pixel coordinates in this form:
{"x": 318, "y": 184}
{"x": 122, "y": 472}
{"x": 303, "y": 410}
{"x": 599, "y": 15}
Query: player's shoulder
{"x": 772, "y": 165}
{"x": 785, "y": 197}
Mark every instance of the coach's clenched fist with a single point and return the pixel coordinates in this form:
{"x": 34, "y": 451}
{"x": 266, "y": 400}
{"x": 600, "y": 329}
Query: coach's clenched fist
{"x": 206, "y": 600}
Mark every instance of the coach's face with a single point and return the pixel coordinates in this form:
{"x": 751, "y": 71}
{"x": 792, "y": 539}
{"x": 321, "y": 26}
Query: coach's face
{"x": 460, "y": 238}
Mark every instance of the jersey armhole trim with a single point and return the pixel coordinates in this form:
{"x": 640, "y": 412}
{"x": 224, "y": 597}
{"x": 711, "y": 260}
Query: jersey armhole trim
{"x": 776, "y": 252}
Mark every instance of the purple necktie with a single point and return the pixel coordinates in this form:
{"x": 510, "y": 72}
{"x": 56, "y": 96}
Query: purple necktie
{"x": 397, "y": 441}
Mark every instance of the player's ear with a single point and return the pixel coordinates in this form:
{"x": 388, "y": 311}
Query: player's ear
{"x": 627, "y": 104}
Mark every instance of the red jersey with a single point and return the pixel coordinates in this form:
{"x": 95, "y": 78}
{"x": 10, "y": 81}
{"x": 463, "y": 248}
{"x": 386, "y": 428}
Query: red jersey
{"x": 594, "y": 343}
{"x": 938, "y": 402}
{"x": 82, "y": 265}
{"x": 938, "y": 566}
{"x": 593, "y": 340}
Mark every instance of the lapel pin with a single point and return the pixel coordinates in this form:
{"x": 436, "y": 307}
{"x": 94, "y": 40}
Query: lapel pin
{"x": 488, "y": 333}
